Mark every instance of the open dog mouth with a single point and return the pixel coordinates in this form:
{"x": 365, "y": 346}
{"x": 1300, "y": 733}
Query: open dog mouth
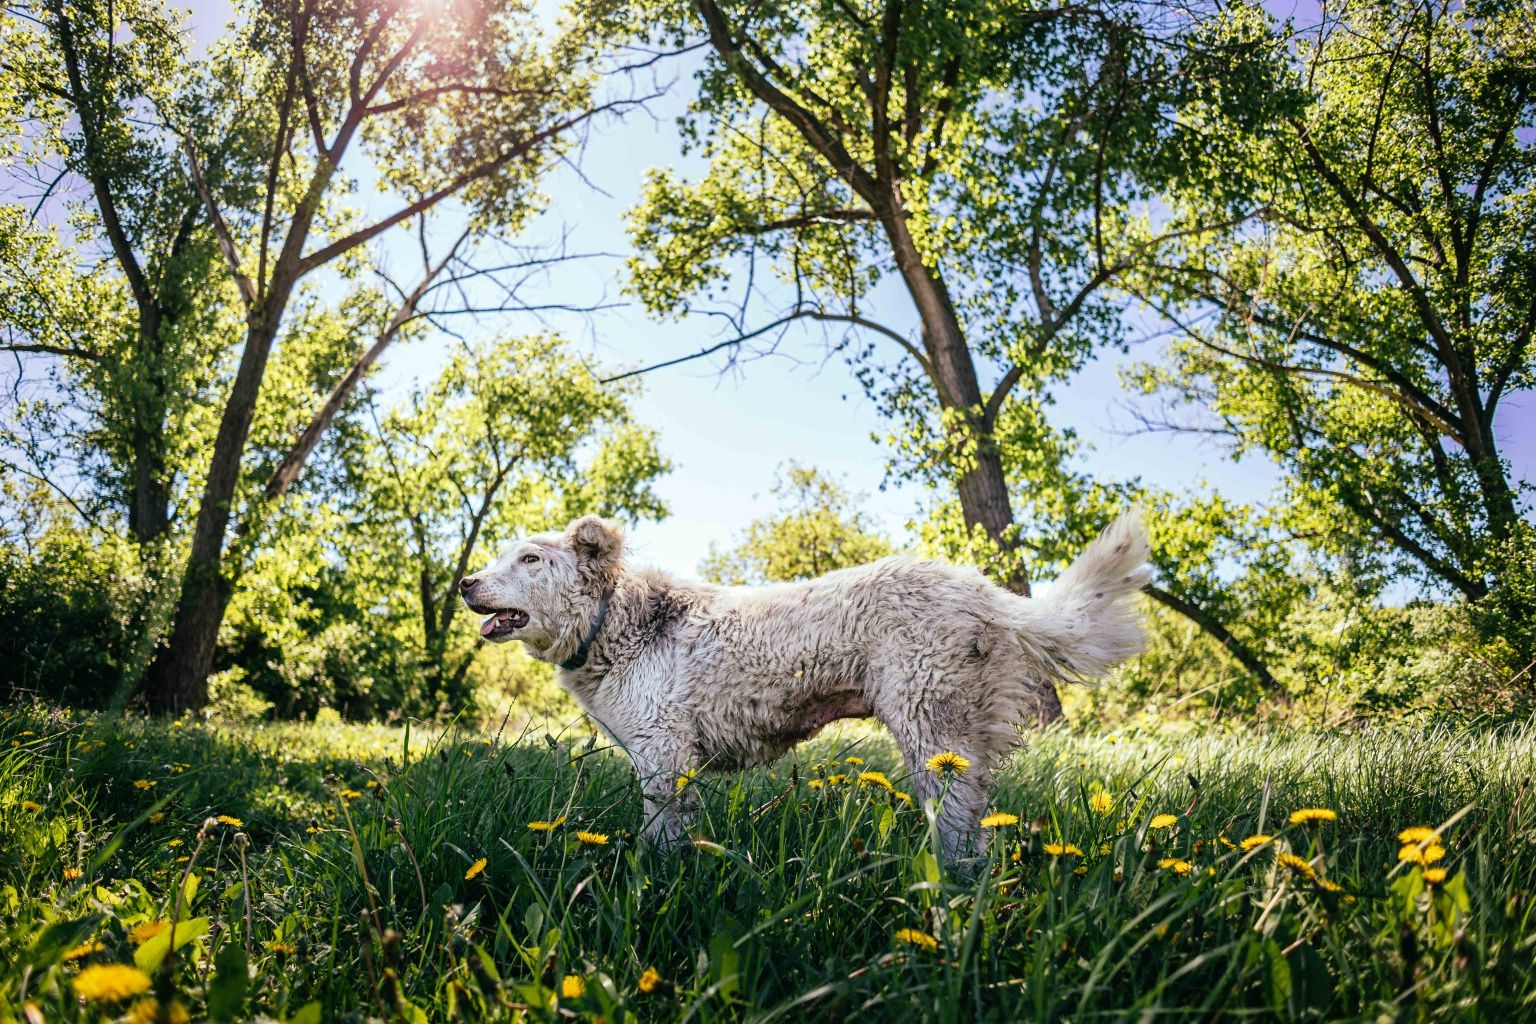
{"x": 503, "y": 623}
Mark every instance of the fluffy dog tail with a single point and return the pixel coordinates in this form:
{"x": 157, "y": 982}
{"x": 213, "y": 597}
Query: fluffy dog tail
{"x": 1087, "y": 621}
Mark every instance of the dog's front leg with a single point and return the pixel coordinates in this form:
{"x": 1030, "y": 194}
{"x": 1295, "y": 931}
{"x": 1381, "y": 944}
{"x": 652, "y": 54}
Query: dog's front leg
{"x": 670, "y": 799}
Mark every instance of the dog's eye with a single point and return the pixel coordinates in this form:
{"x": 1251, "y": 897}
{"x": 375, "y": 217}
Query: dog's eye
{"x": 529, "y": 559}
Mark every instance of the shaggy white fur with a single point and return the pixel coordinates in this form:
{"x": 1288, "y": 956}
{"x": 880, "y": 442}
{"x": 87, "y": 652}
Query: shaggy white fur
{"x": 689, "y": 676}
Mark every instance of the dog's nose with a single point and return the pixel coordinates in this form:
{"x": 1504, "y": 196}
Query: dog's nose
{"x": 467, "y": 584}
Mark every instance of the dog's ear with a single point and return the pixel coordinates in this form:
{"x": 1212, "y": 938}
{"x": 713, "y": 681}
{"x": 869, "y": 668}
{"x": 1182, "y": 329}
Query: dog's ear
{"x": 599, "y": 545}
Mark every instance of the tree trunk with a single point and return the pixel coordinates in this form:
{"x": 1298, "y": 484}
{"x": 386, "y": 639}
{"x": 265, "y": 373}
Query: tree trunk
{"x": 983, "y": 488}
{"x": 179, "y": 676}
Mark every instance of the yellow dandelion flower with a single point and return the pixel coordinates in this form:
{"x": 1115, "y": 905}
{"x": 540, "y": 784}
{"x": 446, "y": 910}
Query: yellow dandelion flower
{"x": 1327, "y": 885}
{"x": 949, "y": 763}
{"x": 1255, "y": 841}
{"x": 350, "y": 794}
{"x": 174, "y": 843}
{"x": 1297, "y": 864}
{"x": 815, "y": 783}
{"x": 474, "y": 869}
{"x": 1226, "y": 843}
{"x": 182, "y": 859}
{"x": 142, "y": 933}
{"x": 914, "y": 937}
{"x": 573, "y": 987}
{"x": 231, "y": 821}
{"x": 110, "y": 982}
{"x": 157, "y": 817}
{"x": 1434, "y": 876}
{"x": 1101, "y": 803}
{"x": 145, "y": 1011}
{"x": 1177, "y": 866}
{"x": 905, "y": 798}
{"x": 999, "y": 819}
{"x": 282, "y": 948}
{"x": 546, "y": 826}
{"x": 833, "y": 780}
{"x": 31, "y": 806}
{"x": 84, "y": 950}
{"x": 1062, "y": 849}
{"x": 1430, "y": 854}
{"x": 1416, "y": 834}
{"x": 877, "y": 780}
{"x": 1313, "y": 816}
{"x": 144, "y": 784}
{"x": 592, "y": 838}
{"x": 685, "y": 778}
{"x": 851, "y": 759}
{"x": 1164, "y": 820}
{"x": 70, "y": 874}
{"x": 650, "y": 980}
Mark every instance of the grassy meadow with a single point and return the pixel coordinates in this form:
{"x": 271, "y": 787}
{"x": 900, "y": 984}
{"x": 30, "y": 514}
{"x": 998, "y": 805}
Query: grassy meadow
{"x": 315, "y": 872}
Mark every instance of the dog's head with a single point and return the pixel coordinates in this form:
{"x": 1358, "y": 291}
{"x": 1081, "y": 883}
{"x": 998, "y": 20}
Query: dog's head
{"x": 537, "y": 588}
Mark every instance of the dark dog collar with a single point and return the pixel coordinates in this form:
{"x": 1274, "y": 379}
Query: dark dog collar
{"x": 579, "y": 659}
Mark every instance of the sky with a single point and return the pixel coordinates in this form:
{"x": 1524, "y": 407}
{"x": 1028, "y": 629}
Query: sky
{"x": 727, "y": 433}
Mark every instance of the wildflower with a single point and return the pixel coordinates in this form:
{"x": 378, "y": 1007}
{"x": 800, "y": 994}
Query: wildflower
{"x": 914, "y": 937}
{"x": 1327, "y": 885}
{"x": 1062, "y": 850}
{"x": 142, "y": 933}
{"x": 1177, "y": 866}
{"x": 905, "y": 798}
{"x": 1298, "y": 865}
{"x": 1313, "y": 816}
{"x": 650, "y": 980}
{"x": 546, "y": 826}
{"x": 31, "y": 805}
{"x": 1101, "y": 803}
{"x": 949, "y": 763}
{"x": 147, "y": 1011}
{"x": 1434, "y": 876}
{"x": 833, "y": 780}
{"x": 684, "y": 778}
{"x": 815, "y": 783}
{"x": 110, "y": 982}
{"x": 350, "y": 794}
{"x": 70, "y": 874}
{"x": 573, "y": 987}
{"x": 157, "y": 817}
{"x": 999, "y": 819}
{"x": 174, "y": 843}
{"x": 232, "y": 822}
{"x": 877, "y": 780}
{"x": 182, "y": 859}
{"x": 851, "y": 759}
{"x": 1226, "y": 843}
{"x": 282, "y": 948}
{"x": 1423, "y": 857}
{"x": 1255, "y": 841}
{"x": 592, "y": 838}
{"x": 144, "y": 784}
{"x": 1164, "y": 820}
{"x": 475, "y": 869}
{"x": 84, "y": 950}
{"x": 1416, "y": 834}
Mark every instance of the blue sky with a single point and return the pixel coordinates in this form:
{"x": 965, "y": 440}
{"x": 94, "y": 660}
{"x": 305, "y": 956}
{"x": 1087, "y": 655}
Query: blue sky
{"x": 728, "y": 433}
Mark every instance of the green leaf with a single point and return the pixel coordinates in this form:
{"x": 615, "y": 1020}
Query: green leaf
{"x": 149, "y": 956}
{"x": 231, "y": 979}
{"x": 56, "y": 939}
{"x": 309, "y": 1013}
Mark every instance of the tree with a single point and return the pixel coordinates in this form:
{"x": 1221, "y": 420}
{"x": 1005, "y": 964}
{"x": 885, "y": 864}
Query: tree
{"x": 994, "y": 164}
{"x": 817, "y": 528}
{"x": 136, "y": 329}
{"x": 460, "y": 103}
{"x": 1368, "y": 330}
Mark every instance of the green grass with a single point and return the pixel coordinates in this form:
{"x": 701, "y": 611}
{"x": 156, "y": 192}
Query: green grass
{"x": 788, "y": 905}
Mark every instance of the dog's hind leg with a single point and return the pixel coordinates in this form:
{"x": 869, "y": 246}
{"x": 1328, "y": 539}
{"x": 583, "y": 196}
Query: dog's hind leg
{"x": 670, "y": 797}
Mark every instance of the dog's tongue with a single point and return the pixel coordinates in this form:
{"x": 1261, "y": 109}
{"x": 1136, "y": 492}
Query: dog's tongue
{"x": 489, "y": 625}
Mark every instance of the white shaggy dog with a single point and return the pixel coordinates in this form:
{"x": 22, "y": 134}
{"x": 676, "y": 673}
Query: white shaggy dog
{"x": 688, "y": 675}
